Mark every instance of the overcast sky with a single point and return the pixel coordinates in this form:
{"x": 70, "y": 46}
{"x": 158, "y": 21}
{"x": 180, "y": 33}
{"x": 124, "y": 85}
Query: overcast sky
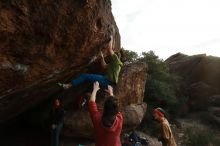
{"x": 169, "y": 26}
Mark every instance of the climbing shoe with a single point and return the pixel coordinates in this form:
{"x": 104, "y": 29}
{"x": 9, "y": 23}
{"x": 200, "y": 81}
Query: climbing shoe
{"x": 64, "y": 86}
{"x": 60, "y": 84}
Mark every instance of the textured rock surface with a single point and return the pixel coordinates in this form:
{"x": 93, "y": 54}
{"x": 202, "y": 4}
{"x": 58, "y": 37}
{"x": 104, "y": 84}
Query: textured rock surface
{"x": 196, "y": 68}
{"x": 129, "y": 91}
{"x": 200, "y": 94}
{"x": 46, "y": 41}
{"x": 200, "y": 74}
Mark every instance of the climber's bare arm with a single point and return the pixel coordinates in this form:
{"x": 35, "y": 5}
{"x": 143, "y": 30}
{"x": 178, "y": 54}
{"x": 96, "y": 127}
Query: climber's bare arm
{"x": 110, "y": 46}
{"x": 103, "y": 63}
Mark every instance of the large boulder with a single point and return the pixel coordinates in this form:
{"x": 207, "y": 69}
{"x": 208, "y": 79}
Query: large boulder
{"x": 45, "y": 41}
{"x": 197, "y": 68}
{"x": 200, "y": 77}
{"x": 131, "y": 85}
{"x": 129, "y": 91}
{"x": 200, "y": 94}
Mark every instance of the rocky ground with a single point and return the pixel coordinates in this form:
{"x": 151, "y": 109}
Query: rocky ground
{"x": 70, "y": 142}
{"x": 195, "y": 132}
{"x": 29, "y": 136}
{"x": 42, "y": 139}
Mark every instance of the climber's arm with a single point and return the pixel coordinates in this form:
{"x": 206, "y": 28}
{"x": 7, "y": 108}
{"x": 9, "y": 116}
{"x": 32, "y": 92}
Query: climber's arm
{"x": 103, "y": 63}
{"x": 110, "y": 46}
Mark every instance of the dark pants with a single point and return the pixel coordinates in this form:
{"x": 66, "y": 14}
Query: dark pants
{"x": 91, "y": 78}
{"x": 55, "y": 133}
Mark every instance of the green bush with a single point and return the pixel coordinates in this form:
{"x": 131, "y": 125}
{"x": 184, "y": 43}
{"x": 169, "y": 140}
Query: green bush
{"x": 198, "y": 136}
{"x": 161, "y": 85}
{"x": 129, "y": 56}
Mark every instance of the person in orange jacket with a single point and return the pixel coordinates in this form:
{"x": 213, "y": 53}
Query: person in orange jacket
{"x": 166, "y": 135}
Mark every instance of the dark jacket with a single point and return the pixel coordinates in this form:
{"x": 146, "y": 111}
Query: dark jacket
{"x": 56, "y": 116}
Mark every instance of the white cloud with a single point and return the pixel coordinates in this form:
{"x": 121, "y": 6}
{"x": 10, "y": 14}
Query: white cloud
{"x": 169, "y": 26}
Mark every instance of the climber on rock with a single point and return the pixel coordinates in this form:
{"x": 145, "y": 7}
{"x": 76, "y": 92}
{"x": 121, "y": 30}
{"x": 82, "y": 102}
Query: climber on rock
{"x": 112, "y": 71}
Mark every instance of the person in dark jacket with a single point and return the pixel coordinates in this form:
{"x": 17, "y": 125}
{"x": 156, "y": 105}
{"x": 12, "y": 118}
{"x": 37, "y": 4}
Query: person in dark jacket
{"x": 56, "y": 120}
